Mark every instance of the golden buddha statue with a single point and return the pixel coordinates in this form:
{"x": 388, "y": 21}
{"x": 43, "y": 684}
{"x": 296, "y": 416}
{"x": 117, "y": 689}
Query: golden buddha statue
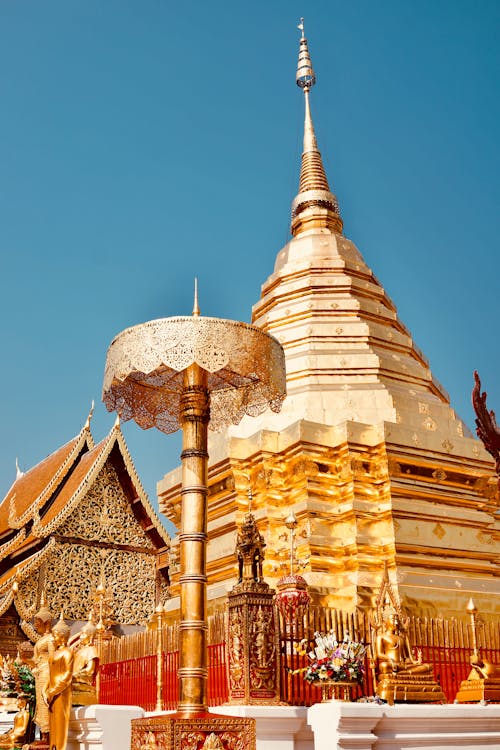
{"x": 400, "y": 676}
{"x": 483, "y": 682}
{"x": 41, "y": 653}
{"x": 18, "y": 735}
{"x": 85, "y": 666}
{"x": 58, "y": 691}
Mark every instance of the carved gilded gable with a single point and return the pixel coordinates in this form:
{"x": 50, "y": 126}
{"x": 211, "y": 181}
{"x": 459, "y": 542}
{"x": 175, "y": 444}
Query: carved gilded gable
{"x": 72, "y": 572}
{"x": 105, "y": 515}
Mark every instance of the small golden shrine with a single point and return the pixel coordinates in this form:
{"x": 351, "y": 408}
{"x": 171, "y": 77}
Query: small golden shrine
{"x": 78, "y": 515}
{"x": 253, "y": 648}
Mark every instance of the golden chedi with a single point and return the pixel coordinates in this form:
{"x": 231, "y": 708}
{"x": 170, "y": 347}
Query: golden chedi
{"x": 367, "y": 450}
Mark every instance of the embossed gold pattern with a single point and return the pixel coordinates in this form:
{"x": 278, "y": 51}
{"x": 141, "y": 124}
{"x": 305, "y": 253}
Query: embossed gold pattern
{"x": 143, "y": 376}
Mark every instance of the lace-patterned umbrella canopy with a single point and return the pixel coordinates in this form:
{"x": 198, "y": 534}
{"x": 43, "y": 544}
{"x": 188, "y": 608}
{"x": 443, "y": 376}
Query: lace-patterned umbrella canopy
{"x": 193, "y": 372}
{"x": 144, "y": 379}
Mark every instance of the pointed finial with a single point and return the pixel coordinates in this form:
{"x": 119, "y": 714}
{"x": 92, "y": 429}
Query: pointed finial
{"x": 305, "y": 74}
{"x": 315, "y": 206}
{"x": 196, "y": 309}
{"x": 19, "y": 473}
{"x": 471, "y": 607}
{"x": 91, "y": 412}
{"x": 117, "y": 422}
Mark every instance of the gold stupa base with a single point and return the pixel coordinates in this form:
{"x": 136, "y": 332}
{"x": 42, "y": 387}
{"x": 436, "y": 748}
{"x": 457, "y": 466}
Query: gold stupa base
{"x": 409, "y": 689}
{"x": 200, "y": 732}
{"x": 473, "y": 691}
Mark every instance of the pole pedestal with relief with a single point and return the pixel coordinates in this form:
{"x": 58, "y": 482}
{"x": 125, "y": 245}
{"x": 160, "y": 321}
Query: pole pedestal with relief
{"x": 192, "y": 373}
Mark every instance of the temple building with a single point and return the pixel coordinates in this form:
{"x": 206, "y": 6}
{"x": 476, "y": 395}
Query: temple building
{"x": 367, "y": 451}
{"x": 78, "y": 519}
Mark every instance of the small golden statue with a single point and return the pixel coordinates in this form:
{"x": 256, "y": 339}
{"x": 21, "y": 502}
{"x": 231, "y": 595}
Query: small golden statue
{"x": 400, "y": 676}
{"x": 483, "y": 682}
{"x": 18, "y": 735}
{"x": 58, "y": 691}
{"x": 41, "y": 654}
{"x": 250, "y": 547}
{"x": 85, "y": 666}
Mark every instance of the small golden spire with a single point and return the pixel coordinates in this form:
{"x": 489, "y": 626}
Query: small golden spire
{"x": 196, "y": 309}
{"x": 315, "y": 205}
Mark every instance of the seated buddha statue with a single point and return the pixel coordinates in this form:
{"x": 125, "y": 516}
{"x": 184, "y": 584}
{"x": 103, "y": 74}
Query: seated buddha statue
{"x": 17, "y": 736}
{"x": 400, "y": 676}
{"x": 85, "y": 666}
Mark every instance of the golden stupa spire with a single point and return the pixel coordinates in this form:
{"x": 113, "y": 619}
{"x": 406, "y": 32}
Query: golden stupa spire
{"x": 315, "y": 205}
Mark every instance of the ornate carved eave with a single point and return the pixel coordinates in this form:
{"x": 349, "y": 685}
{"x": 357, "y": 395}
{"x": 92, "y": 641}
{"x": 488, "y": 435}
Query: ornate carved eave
{"x": 155, "y": 521}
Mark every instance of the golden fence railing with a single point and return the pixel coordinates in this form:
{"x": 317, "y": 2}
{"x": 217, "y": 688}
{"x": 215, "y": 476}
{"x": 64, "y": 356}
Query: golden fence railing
{"x": 446, "y": 644}
{"x": 129, "y": 667}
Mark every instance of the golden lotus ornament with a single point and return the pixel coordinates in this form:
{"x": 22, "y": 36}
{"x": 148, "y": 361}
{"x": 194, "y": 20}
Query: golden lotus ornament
{"x": 193, "y": 373}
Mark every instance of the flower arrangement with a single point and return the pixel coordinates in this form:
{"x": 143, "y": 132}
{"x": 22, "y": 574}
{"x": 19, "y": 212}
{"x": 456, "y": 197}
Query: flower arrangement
{"x": 333, "y": 660}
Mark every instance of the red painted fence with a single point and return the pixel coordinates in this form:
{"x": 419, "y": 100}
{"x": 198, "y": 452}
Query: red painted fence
{"x": 446, "y": 645}
{"x": 133, "y": 682}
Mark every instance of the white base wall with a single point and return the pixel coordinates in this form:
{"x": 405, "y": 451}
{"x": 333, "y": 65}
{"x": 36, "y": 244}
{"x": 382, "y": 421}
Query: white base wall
{"x": 277, "y": 727}
{"x": 365, "y": 726}
{"x": 325, "y": 726}
{"x": 102, "y": 727}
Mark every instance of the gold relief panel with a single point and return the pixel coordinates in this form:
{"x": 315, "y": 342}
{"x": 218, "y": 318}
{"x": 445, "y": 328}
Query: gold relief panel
{"x": 105, "y": 515}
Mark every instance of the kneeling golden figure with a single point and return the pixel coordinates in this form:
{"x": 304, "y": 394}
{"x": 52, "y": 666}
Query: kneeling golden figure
{"x": 401, "y": 677}
{"x": 17, "y": 736}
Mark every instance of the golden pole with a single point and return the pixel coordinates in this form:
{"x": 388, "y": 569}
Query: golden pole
{"x": 194, "y": 418}
{"x": 159, "y": 657}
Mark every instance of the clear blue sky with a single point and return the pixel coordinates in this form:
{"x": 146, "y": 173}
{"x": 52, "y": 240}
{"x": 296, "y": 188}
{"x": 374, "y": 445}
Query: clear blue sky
{"x": 145, "y": 142}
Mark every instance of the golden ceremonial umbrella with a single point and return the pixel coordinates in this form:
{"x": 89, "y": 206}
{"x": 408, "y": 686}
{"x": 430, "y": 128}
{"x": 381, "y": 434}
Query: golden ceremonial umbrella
{"x": 193, "y": 373}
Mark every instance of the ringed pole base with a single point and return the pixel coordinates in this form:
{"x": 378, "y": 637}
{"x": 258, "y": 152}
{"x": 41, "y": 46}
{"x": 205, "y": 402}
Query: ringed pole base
{"x": 204, "y": 731}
